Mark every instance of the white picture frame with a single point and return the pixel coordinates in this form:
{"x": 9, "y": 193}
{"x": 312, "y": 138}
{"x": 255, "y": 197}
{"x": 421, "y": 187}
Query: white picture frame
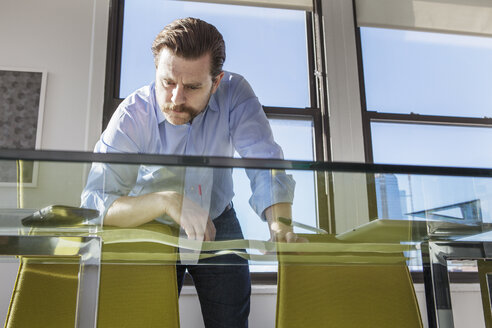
{"x": 22, "y": 100}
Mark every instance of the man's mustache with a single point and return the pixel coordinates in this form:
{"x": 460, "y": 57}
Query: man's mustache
{"x": 178, "y": 108}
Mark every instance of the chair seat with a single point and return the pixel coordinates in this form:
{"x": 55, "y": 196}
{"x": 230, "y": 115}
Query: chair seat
{"x": 346, "y": 296}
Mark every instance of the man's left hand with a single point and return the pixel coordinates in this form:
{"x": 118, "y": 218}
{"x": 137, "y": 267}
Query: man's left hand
{"x": 279, "y": 231}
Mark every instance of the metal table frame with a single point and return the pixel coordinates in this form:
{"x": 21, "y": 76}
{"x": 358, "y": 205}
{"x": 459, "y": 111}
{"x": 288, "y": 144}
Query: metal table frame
{"x": 435, "y": 255}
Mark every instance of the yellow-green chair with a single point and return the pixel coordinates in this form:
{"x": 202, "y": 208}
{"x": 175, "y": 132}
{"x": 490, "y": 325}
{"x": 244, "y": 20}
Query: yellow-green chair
{"x": 130, "y": 295}
{"x": 484, "y": 268}
{"x": 346, "y": 295}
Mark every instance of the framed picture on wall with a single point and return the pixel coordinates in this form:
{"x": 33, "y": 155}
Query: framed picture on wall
{"x": 22, "y": 94}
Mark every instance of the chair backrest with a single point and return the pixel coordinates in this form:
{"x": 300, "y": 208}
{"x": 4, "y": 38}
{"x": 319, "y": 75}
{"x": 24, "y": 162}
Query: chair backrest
{"x": 346, "y": 295}
{"x": 133, "y": 295}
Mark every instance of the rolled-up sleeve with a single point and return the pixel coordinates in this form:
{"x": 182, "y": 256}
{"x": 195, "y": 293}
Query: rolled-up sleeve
{"x": 107, "y": 182}
{"x": 253, "y": 138}
{"x": 270, "y": 187}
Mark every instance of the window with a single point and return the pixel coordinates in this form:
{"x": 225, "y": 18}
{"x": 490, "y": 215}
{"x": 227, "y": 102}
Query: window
{"x": 426, "y": 98}
{"x": 427, "y": 73}
{"x": 426, "y": 144}
{"x": 425, "y": 102}
{"x": 267, "y": 46}
{"x": 273, "y": 48}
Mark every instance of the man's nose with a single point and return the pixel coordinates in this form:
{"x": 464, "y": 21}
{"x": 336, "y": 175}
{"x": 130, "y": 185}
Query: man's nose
{"x": 178, "y": 96}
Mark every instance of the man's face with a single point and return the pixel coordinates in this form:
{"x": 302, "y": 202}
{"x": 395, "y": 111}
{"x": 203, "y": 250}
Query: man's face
{"x": 183, "y": 86}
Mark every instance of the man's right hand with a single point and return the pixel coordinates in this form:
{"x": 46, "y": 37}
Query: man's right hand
{"x": 194, "y": 220}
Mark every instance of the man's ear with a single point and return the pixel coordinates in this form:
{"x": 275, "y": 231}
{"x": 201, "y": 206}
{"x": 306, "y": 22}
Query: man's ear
{"x": 216, "y": 81}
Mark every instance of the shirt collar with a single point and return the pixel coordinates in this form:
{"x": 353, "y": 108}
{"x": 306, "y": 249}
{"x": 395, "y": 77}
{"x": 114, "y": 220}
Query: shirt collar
{"x": 160, "y": 115}
{"x": 212, "y": 103}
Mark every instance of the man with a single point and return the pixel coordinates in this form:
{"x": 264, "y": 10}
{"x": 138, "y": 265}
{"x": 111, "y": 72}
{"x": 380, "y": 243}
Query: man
{"x": 193, "y": 108}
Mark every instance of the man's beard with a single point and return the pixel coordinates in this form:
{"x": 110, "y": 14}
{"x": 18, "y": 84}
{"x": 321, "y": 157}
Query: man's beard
{"x": 182, "y": 114}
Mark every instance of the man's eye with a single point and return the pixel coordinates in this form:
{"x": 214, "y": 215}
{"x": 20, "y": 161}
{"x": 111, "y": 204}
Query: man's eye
{"x": 167, "y": 83}
{"x": 193, "y": 87}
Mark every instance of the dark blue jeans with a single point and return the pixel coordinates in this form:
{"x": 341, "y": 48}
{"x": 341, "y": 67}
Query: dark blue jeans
{"x": 223, "y": 283}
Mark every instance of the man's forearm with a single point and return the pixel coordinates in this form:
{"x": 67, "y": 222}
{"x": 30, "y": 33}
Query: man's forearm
{"x": 128, "y": 211}
{"x": 278, "y": 230}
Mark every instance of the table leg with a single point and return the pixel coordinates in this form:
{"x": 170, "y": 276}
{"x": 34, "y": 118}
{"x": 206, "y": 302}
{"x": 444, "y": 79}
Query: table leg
{"x": 437, "y": 287}
{"x": 88, "y": 289}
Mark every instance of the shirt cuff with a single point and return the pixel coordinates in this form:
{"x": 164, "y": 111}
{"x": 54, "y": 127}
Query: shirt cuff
{"x": 278, "y": 188}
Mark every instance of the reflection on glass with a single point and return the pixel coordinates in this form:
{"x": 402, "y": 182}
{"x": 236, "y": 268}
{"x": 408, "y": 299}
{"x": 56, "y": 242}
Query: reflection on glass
{"x": 453, "y": 199}
{"x": 427, "y": 73}
{"x": 460, "y": 201}
{"x": 489, "y": 288}
{"x": 423, "y": 207}
{"x": 10, "y": 172}
{"x": 428, "y": 205}
{"x": 267, "y": 46}
{"x": 432, "y": 145}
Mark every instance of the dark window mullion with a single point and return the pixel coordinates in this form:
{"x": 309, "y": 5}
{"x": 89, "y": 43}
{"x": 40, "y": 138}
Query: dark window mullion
{"x": 113, "y": 60}
{"x": 314, "y": 99}
{"x": 319, "y": 77}
{"x": 290, "y": 111}
{"x": 366, "y": 120}
{"x": 324, "y": 192}
{"x": 428, "y": 119}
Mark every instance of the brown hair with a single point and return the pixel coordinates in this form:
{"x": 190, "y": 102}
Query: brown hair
{"x": 192, "y": 38}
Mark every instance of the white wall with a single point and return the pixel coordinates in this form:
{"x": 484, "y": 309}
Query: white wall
{"x": 262, "y": 314}
{"x": 67, "y": 39}
{"x": 60, "y": 37}
{"x": 8, "y": 273}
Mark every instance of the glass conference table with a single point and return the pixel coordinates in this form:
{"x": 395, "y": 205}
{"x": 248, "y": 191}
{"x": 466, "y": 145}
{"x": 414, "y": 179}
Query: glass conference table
{"x": 431, "y": 214}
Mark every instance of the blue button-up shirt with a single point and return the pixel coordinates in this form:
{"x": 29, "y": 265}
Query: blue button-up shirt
{"x": 233, "y": 120}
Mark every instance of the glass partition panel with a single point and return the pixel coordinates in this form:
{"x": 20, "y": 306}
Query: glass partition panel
{"x": 156, "y": 211}
{"x": 186, "y": 194}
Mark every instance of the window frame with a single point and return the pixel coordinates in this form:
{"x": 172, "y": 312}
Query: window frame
{"x": 315, "y": 84}
{"x": 369, "y": 116}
